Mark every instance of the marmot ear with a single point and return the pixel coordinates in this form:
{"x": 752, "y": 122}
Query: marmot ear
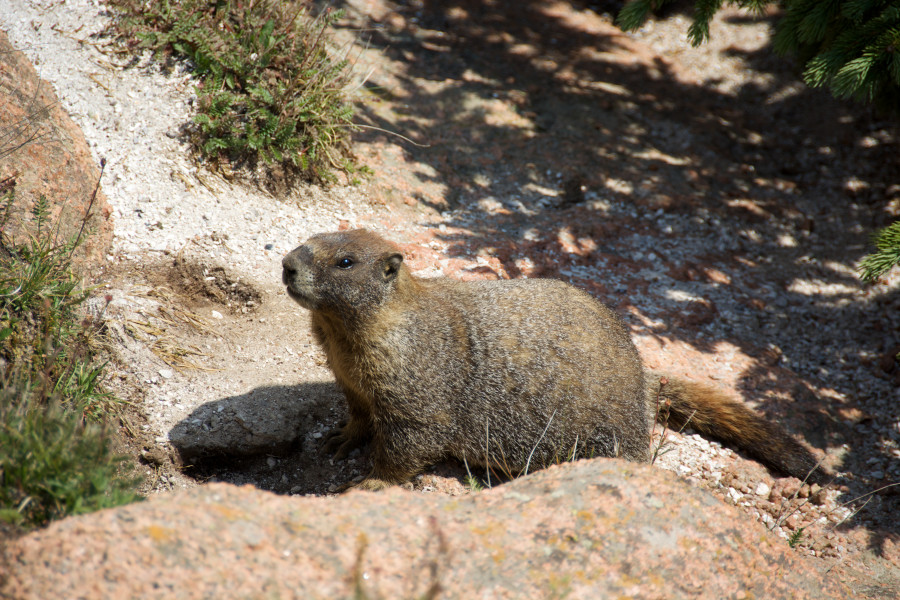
{"x": 392, "y": 266}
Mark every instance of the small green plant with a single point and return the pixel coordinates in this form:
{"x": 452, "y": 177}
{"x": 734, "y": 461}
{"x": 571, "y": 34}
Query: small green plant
{"x": 270, "y": 91}
{"x": 795, "y": 537}
{"x": 39, "y": 320}
{"x": 887, "y": 243}
{"x": 56, "y": 457}
{"x": 473, "y": 483}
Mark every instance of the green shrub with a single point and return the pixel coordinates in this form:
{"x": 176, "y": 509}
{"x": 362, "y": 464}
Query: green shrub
{"x": 39, "y": 320}
{"x": 56, "y": 457}
{"x": 851, "y": 47}
{"x": 53, "y": 463}
{"x": 269, "y": 92}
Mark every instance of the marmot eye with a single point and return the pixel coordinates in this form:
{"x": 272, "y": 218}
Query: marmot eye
{"x": 345, "y": 263}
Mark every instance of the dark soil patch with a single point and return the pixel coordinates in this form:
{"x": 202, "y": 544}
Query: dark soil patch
{"x": 196, "y": 280}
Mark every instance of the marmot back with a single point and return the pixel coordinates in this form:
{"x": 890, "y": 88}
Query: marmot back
{"x": 516, "y": 374}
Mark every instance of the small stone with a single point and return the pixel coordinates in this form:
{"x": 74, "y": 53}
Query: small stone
{"x": 269, "y": 246}
{"x": 161, "y": 439}
{"x": 154, "y": 456}
{"x": 217, "y": 315}
{"x": 271, "y": 462}
{"x": 762, "y": 489}
{"x": 877, "y": 474}
{"x": 166, "y": 373}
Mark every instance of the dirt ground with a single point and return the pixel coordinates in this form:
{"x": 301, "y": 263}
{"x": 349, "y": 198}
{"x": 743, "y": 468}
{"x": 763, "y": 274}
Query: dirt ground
{"x": 717, "y": 203}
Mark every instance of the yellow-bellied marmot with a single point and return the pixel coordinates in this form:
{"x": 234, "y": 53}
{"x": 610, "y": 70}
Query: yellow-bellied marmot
{"x": 517, "y": 373}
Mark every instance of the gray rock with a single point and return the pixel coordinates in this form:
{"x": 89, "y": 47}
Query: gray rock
{"x": 266, "y": 420}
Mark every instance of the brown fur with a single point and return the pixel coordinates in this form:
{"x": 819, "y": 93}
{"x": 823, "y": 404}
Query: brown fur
{"x": 511, "y": 374}
{"x": 717, "y": 415}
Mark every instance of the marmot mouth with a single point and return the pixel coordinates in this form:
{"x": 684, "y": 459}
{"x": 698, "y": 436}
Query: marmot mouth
{"x": 300, "y": 298}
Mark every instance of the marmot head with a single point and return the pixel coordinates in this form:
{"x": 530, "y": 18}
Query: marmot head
{"x": 346, "y": 273}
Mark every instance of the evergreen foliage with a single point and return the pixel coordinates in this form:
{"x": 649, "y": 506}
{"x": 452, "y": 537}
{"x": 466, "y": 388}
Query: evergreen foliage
{"x": 887, "y": 242}
{"x": 851, "y": 47}
{"x": 269, "y": 89}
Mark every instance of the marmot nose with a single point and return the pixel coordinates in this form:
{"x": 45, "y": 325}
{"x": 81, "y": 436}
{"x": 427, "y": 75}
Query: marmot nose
{"x": 291, "y": 261}
{"x": 289, "y": 268}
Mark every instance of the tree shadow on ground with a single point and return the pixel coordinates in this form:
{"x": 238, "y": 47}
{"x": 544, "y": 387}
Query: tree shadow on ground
{"x": 703, "y": 211}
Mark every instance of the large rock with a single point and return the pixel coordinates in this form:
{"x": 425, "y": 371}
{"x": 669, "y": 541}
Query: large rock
{"x": 592, "y": 529}
{"x": 43, "y": 153}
